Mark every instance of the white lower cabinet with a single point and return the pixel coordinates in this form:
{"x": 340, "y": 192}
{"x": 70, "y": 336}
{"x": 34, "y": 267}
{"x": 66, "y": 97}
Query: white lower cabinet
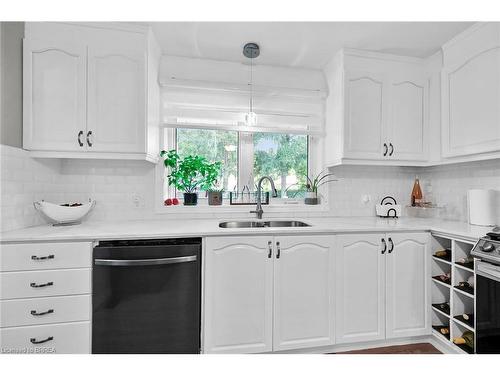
{"x": 238, "y": 295}
{"x": 407, "y": 285}
{"x": 45, "y": 297}
{"x": 303, "y": 292}
{"x": 360, "y": 292}
{"x": 382, "y": 288}
{"x": 65, "y": 338}
{"x": 268, "y": 293}
{"x": 34, "y": 311}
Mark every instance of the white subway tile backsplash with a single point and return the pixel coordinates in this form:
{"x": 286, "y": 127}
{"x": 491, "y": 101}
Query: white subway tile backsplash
{"x": 22, "y": 182}
{"x": 115, "y": 183}
{"x": 451, "y": 182}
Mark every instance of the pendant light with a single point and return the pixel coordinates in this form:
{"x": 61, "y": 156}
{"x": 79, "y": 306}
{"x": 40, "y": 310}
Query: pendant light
{"x": 251, "y": 51}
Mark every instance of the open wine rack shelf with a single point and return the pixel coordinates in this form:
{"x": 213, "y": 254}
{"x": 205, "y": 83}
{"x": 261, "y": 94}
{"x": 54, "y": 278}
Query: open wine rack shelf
{"x": 460, "y": 300}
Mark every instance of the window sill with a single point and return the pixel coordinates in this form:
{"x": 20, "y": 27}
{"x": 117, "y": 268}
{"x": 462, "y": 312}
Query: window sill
{"x": 238, "y": 209}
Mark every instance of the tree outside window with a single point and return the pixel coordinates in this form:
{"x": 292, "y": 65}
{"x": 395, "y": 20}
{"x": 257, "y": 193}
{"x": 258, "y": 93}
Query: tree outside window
{"x": 284, "y": 158}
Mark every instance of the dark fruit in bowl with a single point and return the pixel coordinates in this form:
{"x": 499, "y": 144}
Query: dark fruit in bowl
{"x": 168, "y": 202}
{"x": 175, "y": 201}
{"x": 71, "y": 204}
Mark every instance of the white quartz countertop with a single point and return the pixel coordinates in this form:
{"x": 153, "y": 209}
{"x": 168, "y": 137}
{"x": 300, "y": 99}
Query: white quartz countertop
{"x": 145, "y": 229}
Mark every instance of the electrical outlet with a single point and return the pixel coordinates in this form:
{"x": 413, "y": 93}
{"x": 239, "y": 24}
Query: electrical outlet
{"x": 137, "y": 201}
{"x": 366, "y": 198}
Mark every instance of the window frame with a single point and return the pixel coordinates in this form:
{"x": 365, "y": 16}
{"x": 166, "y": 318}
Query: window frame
{"x": 168, "y": 141}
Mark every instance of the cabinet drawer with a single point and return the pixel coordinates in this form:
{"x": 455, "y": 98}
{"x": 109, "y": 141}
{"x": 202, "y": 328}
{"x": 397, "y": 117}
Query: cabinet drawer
{"x": 42, "y": 256}
{"x": 66, "y": 338}
{"x": 44, "y": 283}
{"x": 23, "y": 312}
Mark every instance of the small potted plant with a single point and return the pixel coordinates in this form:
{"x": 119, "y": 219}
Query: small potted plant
{"x": 313, "y": 184}
{"x": 188, "y": 174}
{"x": 211, "y": 185}
{"x": 215, "y": 197}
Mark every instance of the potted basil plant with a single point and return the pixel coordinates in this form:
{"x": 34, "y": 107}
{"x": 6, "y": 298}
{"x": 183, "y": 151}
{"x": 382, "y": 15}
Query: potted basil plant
{"x": 188, "y": 174}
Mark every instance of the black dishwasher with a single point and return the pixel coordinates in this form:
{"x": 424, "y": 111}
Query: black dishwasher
{"x": 146, "y": 296}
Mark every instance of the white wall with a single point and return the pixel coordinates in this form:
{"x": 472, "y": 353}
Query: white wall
{"x": 11, "y": 125}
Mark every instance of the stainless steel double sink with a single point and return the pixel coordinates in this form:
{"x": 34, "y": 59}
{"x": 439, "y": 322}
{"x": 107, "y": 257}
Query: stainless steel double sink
{"x": 263, "y": 224}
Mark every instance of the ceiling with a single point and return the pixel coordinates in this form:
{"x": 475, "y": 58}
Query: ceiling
{"x": 302, "y": 44}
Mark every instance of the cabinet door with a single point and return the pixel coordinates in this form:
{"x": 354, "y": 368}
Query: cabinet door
{"x": 238, "y": 295}
{"x": 117, "y": 97}
{"x": 364, "y": 116}
{"x": 54, "y": 89}
{"x": 407, "y": 293}
{"x": 303, "y": 292}
{"x": 407, "y": 132}
{"x": 471, "y": 93}
{"x": 360, "y": 288}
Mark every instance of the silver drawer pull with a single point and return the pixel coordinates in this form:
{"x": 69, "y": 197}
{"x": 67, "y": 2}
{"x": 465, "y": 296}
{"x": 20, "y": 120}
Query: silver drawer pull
{"x": 143, "y": 262}
{"x": 34, "y": 257}
{"x": 35, "y": 341}
{"x": 34, "y": 313}
{"x": 35, "y": 285}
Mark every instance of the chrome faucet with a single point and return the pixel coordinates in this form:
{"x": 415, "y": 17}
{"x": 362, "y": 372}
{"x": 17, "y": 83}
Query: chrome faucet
{"x": 258, "y": 209}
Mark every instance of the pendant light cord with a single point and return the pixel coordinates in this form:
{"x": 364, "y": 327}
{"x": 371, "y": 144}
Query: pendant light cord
{"x": 251, "y": 84}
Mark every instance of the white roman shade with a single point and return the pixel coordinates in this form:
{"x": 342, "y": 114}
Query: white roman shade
{"x": 220, "y": 101}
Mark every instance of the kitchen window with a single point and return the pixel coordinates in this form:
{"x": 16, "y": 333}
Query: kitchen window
{"x": 245, "y": 157}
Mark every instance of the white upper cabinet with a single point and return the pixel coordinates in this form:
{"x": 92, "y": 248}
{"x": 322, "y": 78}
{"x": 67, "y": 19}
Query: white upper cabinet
{"x": 90, "y": 92}
{"x": 376, "y": 112}
{"x": 116, "y": 96}
{"x": 408, "y": 283}
{"x": 407, "y": 130}
{"x": 303, "y": 292}
{"x": 471, "y": 92}
{"x": 54, "y": 92}
{"x": 365, "y": 115}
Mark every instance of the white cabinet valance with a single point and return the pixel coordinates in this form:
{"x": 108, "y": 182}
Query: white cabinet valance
{"x": 195, "y": 101}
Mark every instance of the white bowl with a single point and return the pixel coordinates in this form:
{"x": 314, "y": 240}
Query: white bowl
{"x": 64, "y": 215}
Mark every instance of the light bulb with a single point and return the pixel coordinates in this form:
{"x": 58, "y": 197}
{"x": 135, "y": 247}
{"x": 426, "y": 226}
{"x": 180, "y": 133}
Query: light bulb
{"x": 250, "y": 119}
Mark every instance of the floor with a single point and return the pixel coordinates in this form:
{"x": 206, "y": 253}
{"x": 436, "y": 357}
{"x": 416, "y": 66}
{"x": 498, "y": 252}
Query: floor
{"x": 398, "y": 349}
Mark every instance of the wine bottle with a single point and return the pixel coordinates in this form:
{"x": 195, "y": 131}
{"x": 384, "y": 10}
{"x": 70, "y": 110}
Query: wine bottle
{"x": 444, "y": 330}
{"x": 416, "y": 193}
{"x": 466, "y": 260}
{"x": 467, "y": 338}
{"x": 468, "y": 317}
{"x": 470, "y": 281}
{"x": 441, "y": 253}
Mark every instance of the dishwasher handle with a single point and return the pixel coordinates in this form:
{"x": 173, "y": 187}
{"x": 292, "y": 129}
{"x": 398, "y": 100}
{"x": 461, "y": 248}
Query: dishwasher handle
{"x": 143, "y": 262}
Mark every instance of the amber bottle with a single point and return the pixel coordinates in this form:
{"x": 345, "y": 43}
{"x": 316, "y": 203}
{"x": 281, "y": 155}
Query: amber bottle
{"x": 416, "y": 193}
